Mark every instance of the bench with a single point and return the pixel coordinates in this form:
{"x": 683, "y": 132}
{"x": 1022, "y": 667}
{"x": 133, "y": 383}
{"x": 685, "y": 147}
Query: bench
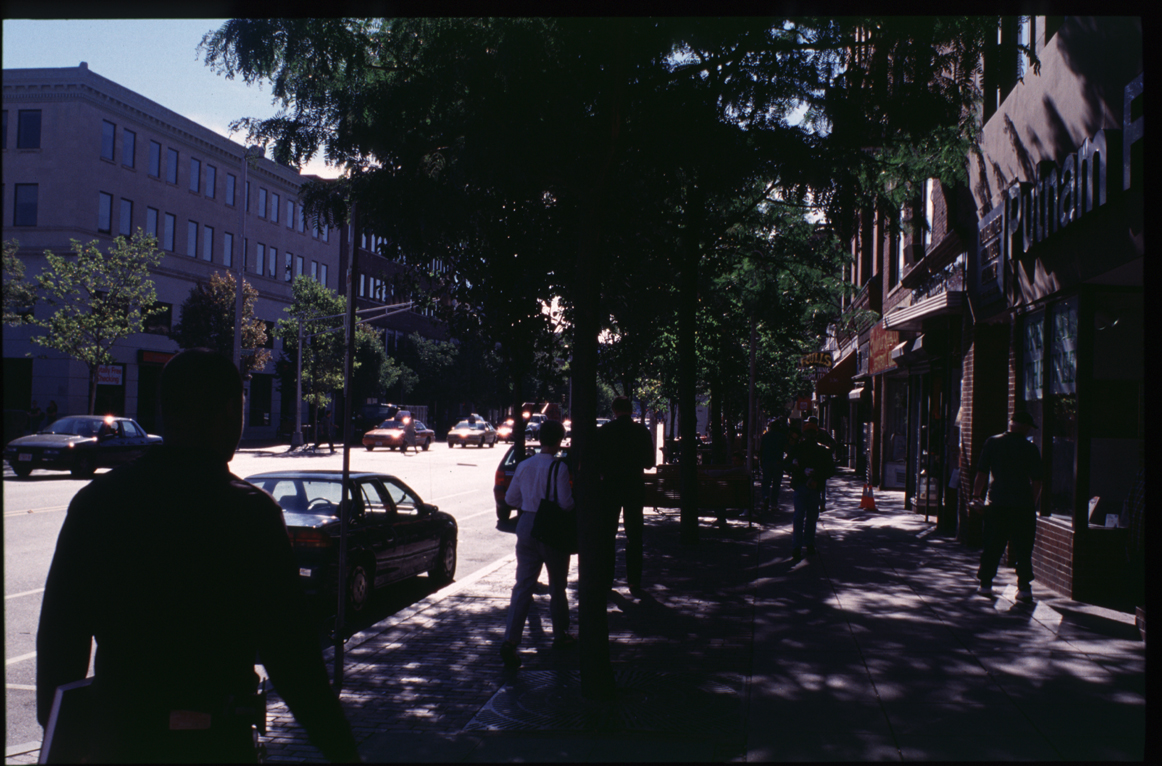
{"x": 719, "y": 487}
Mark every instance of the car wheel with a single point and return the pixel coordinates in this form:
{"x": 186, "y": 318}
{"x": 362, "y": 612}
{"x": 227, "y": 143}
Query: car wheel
{"x": 84, "y": 467}
{"x": 358, "y": 588}
{"x": 444, "y": 569}
{"x": 370, "y": 447}
{"x": 427, "y": 444}
{"x": 451, "y": 445}
{"x": 23, "y": 471}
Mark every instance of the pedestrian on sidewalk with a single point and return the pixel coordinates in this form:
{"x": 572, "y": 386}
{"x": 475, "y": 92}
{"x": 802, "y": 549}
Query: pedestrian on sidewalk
{"x": 771, "y": 449}
{"x": 50, "y": 413}
{"x": 325, "y": 431}
{"x": 811, "y": 466}
{"x": 825, "y": 441}
{"x": 1014, "y": 491}
{"x": 174, "y": 676}
{"x": 624, "y": 449}
{"x": 528, "y": 488}
{"x": 35, "y": 418}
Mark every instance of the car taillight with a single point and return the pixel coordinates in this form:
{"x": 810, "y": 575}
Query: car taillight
{"x": 500, "y": 477}
{"x": 310, "y": 538}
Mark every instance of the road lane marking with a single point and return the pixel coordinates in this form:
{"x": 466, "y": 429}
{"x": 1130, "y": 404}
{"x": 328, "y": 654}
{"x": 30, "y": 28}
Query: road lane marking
{"x": 37, "y": 510}
{"x": 21, "y": 658}
{"x": 25, "y": 593}
{"x": 22, "y": 687}
{"x": 457, "y": 494}
{"x": 482, "y": 513}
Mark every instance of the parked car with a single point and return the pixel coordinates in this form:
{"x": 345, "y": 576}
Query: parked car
{"x": 80, "y": 444}
{"x": 504, "y": 431}
{"x": 504, "y": 474}
{"x": 392, "y": 534}
{"x": 390, "y": 433}
{"x": 473, "y": 431}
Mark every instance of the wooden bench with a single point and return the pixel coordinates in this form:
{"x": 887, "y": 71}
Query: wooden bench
{"x": 719, "y": 487}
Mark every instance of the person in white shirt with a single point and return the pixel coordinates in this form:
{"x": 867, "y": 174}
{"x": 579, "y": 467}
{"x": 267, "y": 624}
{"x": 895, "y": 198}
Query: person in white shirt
{"x": 529, "y": 483}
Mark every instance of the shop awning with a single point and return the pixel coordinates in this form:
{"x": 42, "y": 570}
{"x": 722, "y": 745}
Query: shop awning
{"x": 837, "y": 381}
{"x": 909, "y": 352}
{"x": 855, "y": 393}
{"x": 912, "y": 317}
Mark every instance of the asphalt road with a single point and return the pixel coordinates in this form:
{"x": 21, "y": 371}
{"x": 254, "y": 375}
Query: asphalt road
{"x": 458, "y": 480}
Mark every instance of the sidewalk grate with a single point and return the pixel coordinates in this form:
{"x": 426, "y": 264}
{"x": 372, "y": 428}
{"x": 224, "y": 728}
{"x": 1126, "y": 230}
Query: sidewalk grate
{"x": 676, "y": 703}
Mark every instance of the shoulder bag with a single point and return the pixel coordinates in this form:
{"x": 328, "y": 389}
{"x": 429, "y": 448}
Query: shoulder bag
{"x": 553, "y": 525}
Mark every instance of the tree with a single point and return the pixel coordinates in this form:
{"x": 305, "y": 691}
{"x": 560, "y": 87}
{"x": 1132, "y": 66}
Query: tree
{"x": 98, "y": 299}
{"x": 18, "y": 294}
{"x": 207, "y": 321}
{"x": 484, "y": 141}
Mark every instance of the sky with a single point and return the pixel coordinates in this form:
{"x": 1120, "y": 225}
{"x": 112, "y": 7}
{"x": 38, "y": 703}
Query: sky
{"x": 156, "y": 58}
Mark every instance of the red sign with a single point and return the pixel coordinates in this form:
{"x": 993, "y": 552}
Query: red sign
{"x": 110, "y": 375}
{"x": 880, "y": 354}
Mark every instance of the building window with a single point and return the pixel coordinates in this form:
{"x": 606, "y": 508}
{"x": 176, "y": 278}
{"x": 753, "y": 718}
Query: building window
{"x": 298, "y": 265}
{"x": 302, "y": 220}
{"x": 315, "y": 230}
{"x": 126, "y": 228}
{"x": 192, "y": 239}
{"x": 260, "y": 258}
{"x": 323, "y": 274}
{"x": 228, "y": 249}
{"x": 290, "y": 214}
{"x": 274, "y": 208}
{"x": 289, "y": 266}
{"x": 208, "y": 243}
{"x": 155, "y": 159}
{"x": 929, "y": 212}
{"x": 315, "y": 270}
{"x": 230, "y": 188}
{"x": 151, "y": 222}
{"x": 25, "y": 207}
{"x": 28, "y": 129}
{"x": 160, "y": 323}
{"x": 362, "y": 286}
{"x": 108, "y": 136}
{"x": 104, "y": 212}
{"x": 195, "y": 174}
{"x": 128, "y": 148}
{"x": 171, "y": 166}
{"x": 171, "y": 225}
{"x": 272, "y": 263}
{"x": 261, "y": 202}
{"x": 211, "y": 180}
{"x": 326, "y": 232}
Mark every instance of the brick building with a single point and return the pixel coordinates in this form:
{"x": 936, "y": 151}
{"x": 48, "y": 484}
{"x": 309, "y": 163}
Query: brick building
{"x": 87, "y": 159}
{"x": 1021, "y": 291}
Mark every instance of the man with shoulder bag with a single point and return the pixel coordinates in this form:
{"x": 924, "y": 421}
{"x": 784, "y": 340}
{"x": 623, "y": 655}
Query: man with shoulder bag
{"x": 538, "y": 478}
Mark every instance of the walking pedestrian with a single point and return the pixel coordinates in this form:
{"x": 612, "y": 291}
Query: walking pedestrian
{"x": 1014, "y": 491}
{"x": 35, "y": 418}
{"x": 623, "y": 450}
{"x": 810, "y": 468}
{"x": 529, "y": 486}
{"x": 174, "y": 676}
{"x": 771, "y": 449}
{"x": 826, "y": 442}
{"x": 50, "y": 413}
{"x": 325, "y": 431}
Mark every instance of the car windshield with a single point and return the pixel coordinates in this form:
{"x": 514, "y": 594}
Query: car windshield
{"x": 391, "y": 424}
{"x": 477, "y": 426}
{"x": 75, "y": 426}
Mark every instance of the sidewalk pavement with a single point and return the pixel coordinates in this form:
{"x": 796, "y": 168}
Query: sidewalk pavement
{"x": 877, "y": 647}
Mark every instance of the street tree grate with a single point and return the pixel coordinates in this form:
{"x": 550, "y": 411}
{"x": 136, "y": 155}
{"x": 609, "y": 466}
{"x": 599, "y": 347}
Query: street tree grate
{"x": 674, "y": 703}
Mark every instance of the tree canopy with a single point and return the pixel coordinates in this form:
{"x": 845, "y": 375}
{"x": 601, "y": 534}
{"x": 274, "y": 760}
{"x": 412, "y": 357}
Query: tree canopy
{"x": 207, "y": 321}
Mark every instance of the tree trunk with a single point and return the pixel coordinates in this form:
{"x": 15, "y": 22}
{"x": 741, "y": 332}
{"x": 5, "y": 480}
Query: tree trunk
{"x": 688, "y": 370}
{"x": 92, "y": 389}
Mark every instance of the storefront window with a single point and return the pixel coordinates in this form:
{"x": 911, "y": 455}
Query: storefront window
{"x": 895, "y": 433}
{"x": 1060, "y": 421}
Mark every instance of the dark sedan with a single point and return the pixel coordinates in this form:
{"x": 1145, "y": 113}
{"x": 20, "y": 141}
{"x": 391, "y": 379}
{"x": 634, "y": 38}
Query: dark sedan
{"x": 505, "y": 472}
{"x": 80, "y": 444}
{"x": 392, "y": 534}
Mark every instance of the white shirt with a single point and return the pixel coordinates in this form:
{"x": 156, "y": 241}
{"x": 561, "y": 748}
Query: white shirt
{"x": 530, "y": 480}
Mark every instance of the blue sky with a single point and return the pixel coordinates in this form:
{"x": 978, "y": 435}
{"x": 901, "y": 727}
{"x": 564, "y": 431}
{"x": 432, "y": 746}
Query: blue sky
{"x": 156, "y": 58}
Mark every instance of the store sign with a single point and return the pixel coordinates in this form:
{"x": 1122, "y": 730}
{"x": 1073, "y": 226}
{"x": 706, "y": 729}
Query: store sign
{"x": 881, "y": 343}
{"x": 1033, "y": 211}
{"x": 816, "y": 359}
{"x": 110, "y": 375}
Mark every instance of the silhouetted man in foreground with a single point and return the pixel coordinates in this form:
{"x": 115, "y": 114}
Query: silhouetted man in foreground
{"x": 183, "y": 573}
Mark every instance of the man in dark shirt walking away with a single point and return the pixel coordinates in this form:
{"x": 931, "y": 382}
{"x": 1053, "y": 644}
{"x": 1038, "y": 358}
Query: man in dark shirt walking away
{"x": 811, "y": 466}
{"x": 623, "y": 450}
{"x": 183, "y": 573}
{"x": 1011, "y": 514}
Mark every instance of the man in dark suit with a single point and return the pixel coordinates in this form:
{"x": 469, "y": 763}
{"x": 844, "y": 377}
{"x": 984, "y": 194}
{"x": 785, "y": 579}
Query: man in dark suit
{"x": 623, "y": 450}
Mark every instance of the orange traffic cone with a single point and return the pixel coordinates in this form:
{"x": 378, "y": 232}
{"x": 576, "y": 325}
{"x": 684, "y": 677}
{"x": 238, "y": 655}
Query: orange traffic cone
{"x": 868, "y": 501}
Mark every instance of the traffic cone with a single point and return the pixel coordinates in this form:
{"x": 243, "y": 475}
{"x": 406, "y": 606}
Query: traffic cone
{"x": 868, "y": 501}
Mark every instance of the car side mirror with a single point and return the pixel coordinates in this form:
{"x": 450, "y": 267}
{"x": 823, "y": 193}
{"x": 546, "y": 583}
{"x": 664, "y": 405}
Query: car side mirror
{"x": 428, "y": 508}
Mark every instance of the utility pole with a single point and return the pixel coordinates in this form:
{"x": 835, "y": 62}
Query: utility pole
{"x": 239, "y": 267}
